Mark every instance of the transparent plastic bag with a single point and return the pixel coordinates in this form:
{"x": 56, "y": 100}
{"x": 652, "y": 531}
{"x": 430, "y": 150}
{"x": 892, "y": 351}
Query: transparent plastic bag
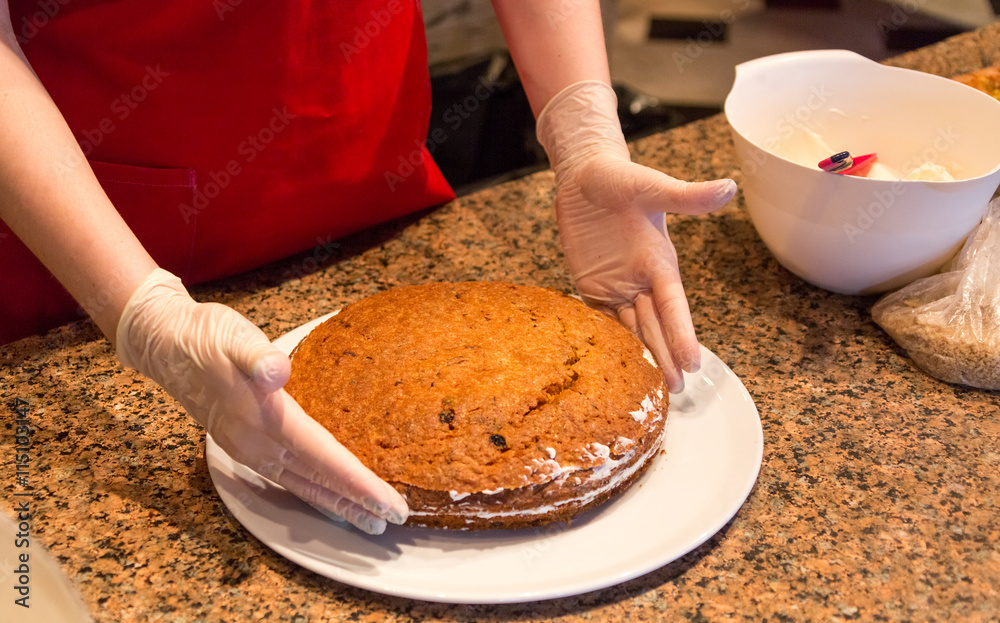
{"x": 949, "y": 323}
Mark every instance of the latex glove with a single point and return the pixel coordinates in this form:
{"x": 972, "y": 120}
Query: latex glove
{"x": 612, "y": 227}
{"x": 228, "y": 376}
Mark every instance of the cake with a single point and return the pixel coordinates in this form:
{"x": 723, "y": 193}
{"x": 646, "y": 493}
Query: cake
{"x": 986, "y": 80}
{"x": 486, "y": 405}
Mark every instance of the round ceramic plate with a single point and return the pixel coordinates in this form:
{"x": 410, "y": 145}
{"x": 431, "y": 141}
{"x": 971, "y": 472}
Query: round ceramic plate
{"x": 712, "y": 453}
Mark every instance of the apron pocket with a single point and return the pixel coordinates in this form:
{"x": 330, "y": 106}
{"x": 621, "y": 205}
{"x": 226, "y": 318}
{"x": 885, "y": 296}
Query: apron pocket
{"x": 156, "y": 205}
{"x": 151, "y": 201}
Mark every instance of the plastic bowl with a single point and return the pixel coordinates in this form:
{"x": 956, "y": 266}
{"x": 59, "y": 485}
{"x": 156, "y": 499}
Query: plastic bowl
{"x": 849, "y": 234}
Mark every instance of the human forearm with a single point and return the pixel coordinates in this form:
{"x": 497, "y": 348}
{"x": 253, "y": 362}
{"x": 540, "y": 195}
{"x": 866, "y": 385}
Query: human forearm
{"x": 51, "y": 200}
{"x": 554, "y": 43}
{"x": 610, "y": 210}
{"x": 220, "y": 367}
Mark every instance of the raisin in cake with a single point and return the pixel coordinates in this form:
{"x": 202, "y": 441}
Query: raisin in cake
{"x": 486, "y": 405}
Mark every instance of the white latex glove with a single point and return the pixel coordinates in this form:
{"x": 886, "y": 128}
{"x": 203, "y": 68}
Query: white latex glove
{"x": 612, "y": 228}
{"x": 228, "y": 376}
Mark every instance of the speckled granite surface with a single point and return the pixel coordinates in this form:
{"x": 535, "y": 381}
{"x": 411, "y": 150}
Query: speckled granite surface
{"x": 878, "y": 497}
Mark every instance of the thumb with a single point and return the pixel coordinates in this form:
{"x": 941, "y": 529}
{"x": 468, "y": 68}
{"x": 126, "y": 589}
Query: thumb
{"x": 253, "y": 354}
{"x": 663, "y": 193}
{"x": 271, "y": 368}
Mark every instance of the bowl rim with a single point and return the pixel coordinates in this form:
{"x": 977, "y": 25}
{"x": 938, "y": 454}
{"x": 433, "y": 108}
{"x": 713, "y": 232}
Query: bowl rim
{"x": 847, "y": 56}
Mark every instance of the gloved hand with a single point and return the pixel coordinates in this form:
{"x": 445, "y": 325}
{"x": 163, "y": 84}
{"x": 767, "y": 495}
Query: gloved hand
{"x": 612, "y": 227}
{"x": 228, "y": 376}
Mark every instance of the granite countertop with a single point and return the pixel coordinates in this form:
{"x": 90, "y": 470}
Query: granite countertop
{"x": 877, "y": 498}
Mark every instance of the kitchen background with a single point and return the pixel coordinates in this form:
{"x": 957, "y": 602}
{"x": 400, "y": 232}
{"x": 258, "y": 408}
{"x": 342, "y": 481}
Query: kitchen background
{"x": 671, "y": 62}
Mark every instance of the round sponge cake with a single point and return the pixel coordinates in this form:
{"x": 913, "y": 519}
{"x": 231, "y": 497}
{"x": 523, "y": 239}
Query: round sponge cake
{"x": 486, "y": 405}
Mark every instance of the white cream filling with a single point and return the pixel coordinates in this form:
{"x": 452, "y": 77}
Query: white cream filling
{"x": 623, "y": 444}
{"x": 595, "y": 451}
{"x": 647, "y": 406}
{"x": 600, "y": 472}
{"x": 547, "y": 467}
{"x": 649, "y": 357}
{"x": 581, "y": 500}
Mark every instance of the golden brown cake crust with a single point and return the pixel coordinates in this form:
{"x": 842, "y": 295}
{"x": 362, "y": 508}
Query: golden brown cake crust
{"x": 463, "y": 390}
{"x": 986, "y": 80}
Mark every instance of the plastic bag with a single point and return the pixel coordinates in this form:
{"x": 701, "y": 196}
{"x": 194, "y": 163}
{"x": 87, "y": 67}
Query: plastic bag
{"x": 949, "y": 323}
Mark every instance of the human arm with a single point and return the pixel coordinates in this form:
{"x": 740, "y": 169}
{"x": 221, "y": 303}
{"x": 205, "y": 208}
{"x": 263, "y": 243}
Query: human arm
{"x": 610, "y": 211}
{"x": 218, "y": 365}
{"x": 51, "y": 200}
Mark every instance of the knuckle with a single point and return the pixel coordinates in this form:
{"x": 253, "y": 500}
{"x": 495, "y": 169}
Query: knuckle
{"x": 671, "y": 308}
{"x": 313, "y": 494}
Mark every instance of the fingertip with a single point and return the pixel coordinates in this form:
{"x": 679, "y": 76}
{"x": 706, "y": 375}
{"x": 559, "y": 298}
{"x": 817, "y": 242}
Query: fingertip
{"x": 364, "y": 521}
{"x": 673, "y": 376}
{"x": 399, "y": 511}
{"x": 714, "y": 194}
{"x": 360, "y": 519}
{"x": 689, "y": 359}
{"x": 663, "y": 193}
{"x": 395, "y": 513}
{"x": 371, "y": 525}
{"x": 396, "y": 517}
{"x": 724, "y": 190}
{"x": 271, "y": 371}
{"x": 250, "y": 351}
{"x": 399, "y": 520}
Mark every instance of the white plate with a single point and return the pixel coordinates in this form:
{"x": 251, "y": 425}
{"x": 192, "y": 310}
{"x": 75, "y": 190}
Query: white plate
{"x": 713, "y": 450}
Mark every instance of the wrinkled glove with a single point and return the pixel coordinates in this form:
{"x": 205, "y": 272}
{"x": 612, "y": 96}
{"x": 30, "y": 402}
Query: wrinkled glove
{"x": 612, "y": 226}
{"x": 228, "y": 376}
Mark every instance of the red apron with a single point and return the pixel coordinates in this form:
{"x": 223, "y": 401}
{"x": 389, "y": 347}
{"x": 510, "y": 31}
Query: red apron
{"x": 230, "y": 133}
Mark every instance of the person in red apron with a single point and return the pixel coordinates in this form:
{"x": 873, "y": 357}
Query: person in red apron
{"x": 144, "y": 146}
{"x": 228, "y": 135}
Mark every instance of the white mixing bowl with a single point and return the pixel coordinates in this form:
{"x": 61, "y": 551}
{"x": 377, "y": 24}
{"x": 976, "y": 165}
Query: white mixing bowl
{"x": 849, "y": 234}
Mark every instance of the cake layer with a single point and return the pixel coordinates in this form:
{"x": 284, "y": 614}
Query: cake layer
{"x": 561, "y": 499}
{"x": 482, "y": 398}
